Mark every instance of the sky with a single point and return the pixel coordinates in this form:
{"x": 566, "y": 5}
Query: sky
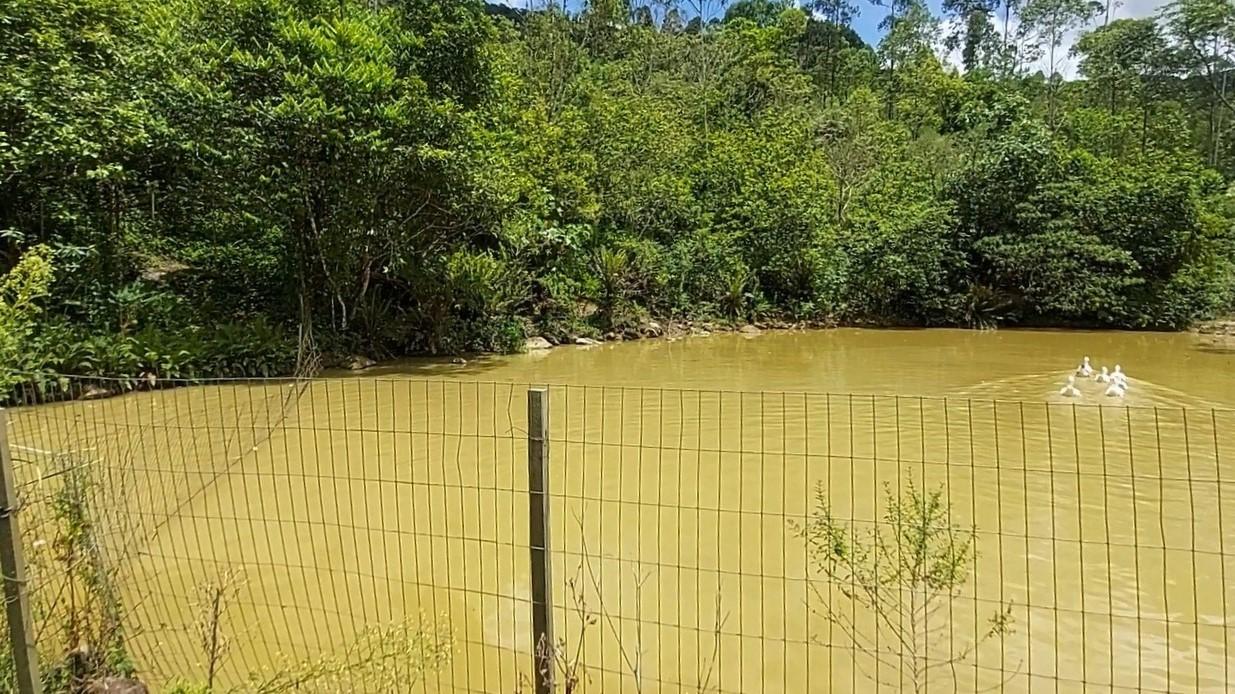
{"x": 866, "y": 24}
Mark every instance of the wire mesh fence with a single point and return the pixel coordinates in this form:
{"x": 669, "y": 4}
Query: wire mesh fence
{"x": 372, "y": 534}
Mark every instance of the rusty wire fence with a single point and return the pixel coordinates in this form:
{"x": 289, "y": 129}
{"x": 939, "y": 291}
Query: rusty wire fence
{"x": 373, "y": 534}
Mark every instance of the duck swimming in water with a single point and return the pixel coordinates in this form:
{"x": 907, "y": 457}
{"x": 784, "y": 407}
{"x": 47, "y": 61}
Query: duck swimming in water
{"x": 1119, "y": 376}
{"x": 1084, "y": 369}
{"x": 1104, "y": 376}
{"x": 1069, "y": 389}
{"x": 1116, "y": 390}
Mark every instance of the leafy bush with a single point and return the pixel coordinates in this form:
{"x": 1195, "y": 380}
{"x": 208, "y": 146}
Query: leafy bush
{"x": 83, "y": 638}
{"x": 712, "y": 276}
{"x": 908, "y": 569}
{"x": 1086, "y": 240}
{"x": 900, "y": 256}
{"x": 611, "y": 275}
{"x": 152, "y": 355}
{"x": 20, "y": 290}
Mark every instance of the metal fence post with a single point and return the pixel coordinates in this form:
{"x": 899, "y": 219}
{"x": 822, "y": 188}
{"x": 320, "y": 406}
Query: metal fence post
{"x": 542, "y": 567}
{"x": 13, "y": 574}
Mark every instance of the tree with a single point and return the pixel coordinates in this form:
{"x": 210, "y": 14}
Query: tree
{"x": 762, "y": 12}
{"x": 352, "y": 139}
{"x": 76, "y": 133}
{"x": 837, "y": 16}
{"x": 1117, "y": 58}
{"x": 910, "y": 28}
{"x": 973, "y": 31}
{"x": 642, "y": 17}
{"x": 907, "y": 572}
{"x": 673, "y": 23}
{"x": 553, "y": 55}
{"x": 1125, "y": 60}
{"x": 1007, "y": 58}
{"x": 851, "y": 141}
{"x": 602, "y": 21}
{"x": 1047, "y": 22}
{"x": 1203, "y": 32}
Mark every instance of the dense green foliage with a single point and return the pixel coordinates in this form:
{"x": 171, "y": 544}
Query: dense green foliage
{"x": 222, "y": 181}
{"x": 20, "y": 291}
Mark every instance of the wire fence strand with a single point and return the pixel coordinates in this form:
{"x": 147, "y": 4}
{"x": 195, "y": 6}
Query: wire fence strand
{"x": 247, "y": 532}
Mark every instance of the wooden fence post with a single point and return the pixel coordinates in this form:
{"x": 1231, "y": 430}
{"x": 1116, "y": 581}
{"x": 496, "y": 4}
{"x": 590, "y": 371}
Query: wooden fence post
{"x": 13, "y": 574}
{"x": 542, "y": 562}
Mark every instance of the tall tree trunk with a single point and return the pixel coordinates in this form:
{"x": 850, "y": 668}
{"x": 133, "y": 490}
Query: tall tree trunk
{"x": 1218, "y": 122}
{"x": 1213, "y": 106}
{"x": 1144, "y": 124}
{"x": 1009, "y": 67}
{"x": 832, "y": 57}
{"x": 1213, "y": 131}
{"x": 892, "y": 89}
{"x": 1050, "y": 88}
{"x": 892, "y": 63}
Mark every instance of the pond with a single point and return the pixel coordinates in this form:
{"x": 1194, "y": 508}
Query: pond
{"x": 1171, "y": 369}
{"x": 680, "y": 473}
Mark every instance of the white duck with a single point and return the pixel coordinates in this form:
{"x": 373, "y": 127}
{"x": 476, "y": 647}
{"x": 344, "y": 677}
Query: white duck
{"x": 1120, "y": 377}
{"x": 1104, "y": 376}
{"x": 1069, "y": 389}
{"x": 1085, "y": 369}
{"x": 1116, "y": 390}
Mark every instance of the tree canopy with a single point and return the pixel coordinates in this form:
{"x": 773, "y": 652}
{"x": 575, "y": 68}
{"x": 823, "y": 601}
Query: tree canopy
{"x": 219, "y": 184}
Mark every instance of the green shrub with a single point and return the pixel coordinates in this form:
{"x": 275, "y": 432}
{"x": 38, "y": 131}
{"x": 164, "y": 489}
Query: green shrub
{"x": 712, "y": 276}
{"x": 20, "y": 289}
{"x": 249, "y": 349}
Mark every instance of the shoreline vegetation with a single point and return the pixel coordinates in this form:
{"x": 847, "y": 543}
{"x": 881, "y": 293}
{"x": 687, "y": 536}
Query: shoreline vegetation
{"x": 267, "y": 187}
{"x": 1220, "y": 331}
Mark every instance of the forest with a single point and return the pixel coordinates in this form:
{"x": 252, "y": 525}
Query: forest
{"x": 194, "y": 188}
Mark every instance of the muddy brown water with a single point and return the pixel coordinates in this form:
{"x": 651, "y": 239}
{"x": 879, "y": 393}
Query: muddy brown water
{"x": 679, "y": 472}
